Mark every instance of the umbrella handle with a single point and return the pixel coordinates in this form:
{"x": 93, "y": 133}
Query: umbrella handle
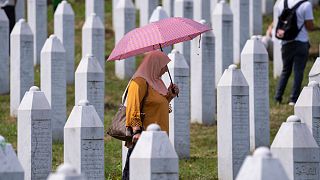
{"x": 172, "y": 82}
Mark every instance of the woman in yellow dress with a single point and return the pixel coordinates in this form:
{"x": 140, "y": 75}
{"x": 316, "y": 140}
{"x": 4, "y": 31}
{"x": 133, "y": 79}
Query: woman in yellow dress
{"x": 147, "y": 82}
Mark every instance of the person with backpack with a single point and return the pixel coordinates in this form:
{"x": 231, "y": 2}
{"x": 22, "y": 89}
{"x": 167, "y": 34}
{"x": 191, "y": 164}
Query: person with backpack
{"x": 294, "y": 22}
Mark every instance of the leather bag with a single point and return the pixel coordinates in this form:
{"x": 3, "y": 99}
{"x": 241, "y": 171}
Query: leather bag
{"x": 118, "y": 127}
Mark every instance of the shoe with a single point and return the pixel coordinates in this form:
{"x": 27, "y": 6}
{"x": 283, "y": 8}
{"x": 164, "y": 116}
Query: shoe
{"x": 292, "y": 103}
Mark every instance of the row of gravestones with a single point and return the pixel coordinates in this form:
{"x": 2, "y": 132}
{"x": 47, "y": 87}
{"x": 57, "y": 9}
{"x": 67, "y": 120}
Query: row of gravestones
{"x": 57, "y": 61}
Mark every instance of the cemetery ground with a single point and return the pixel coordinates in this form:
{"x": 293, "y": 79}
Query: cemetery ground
{"x": 203, "y": 161}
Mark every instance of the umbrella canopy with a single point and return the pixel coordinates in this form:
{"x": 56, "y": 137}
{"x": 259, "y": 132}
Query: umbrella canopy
{"x": 156, "y": 35}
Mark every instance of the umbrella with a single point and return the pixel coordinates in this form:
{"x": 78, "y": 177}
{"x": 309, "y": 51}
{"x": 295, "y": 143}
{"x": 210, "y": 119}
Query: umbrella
{"x": 156, "y": 35}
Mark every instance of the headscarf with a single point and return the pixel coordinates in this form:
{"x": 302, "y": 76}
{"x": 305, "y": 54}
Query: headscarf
{"x": 150, "y": 70}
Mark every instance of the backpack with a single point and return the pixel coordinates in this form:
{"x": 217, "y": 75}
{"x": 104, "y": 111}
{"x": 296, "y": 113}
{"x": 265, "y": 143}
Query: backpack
{"x": 287, "y": 27}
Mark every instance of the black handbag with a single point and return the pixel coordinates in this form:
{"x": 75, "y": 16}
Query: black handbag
{"x": 118, "y": 128}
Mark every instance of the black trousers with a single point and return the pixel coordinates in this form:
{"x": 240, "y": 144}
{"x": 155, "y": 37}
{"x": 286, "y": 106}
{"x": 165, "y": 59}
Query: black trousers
{"x": 125, "y": 173}
{"x": 11, "y": 14}
{"x": 294, "y": 55}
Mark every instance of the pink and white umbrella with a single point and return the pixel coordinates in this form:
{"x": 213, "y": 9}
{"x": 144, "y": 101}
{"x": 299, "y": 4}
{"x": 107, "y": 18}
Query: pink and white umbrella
{"x": 157, "y": 35}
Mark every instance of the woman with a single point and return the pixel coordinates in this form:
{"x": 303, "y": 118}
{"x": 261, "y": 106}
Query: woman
{"x": 146, "y": 82}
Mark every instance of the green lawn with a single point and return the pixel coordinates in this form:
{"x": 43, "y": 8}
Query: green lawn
{"x": 203, "y": 161}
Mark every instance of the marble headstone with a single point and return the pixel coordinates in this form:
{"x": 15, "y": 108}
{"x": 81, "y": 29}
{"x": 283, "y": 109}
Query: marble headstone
{"x": 37, "y": 18}
{"x": 126, "y": 21}
{"x": 223, "y": 19}
{"x": 21, "y": 63}
{"x": 262, "y": 166}
{"x": 10, "y": 167}
{"x": 241, "y": 21}
{"x": 255, "y": 17}
{"x": 297, "y": 150}
{"x": 184, "y": 8}
{"x": 307, "y": 108}
{"x": 84, "y": 141}
{"x": 254, "y": 66}
{"x": 97, "y": 7}
{"x": 202, "y": 79}
{"x": 267, "y": 6}
{"x": 314, "y": 74}
{"x": 146, "y": 8}
{"x": 277, "y": 57}
{"x": 233, "y": 122}
{"x": 89, "y": 84}
{"x": 168, "y": 6}
{"x": 213, "y": 4}
{"x": 35, "y": 134}
{"x": 202, "y": 10}
{"x": 93, "y": 41}
{"x": 158, "y": 14}
{"x": 20, "y": 10}
{"x": 53, "y": 83}
{"x": 64, "y": 30}
{"x": 66, "y": 172}
{"x": 155, "y": 154}
{"x": 179, "y": 118}
{"x": 4, "y": 53}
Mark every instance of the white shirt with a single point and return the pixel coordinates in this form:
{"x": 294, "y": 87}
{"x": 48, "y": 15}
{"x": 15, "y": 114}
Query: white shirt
{"x": 304, "y": 12}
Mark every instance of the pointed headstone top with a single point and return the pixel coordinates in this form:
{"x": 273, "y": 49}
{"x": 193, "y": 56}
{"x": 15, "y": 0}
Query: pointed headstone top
{"x": 84, "y": 102}
{"x": 34, "y": 88}
{"x": 2, "y": 139}
{"x": 293, "y": 118}
{"x": 3, "y": 16}
{"x": 232, "y": 77}
{"x": 255, "y": 46}
{"x": 89, "y": 64}
{"x": 222, "y": 8}
{"x": 21, "y": 28}
{"x": 262, "y": 152}
{"x": 232, "y": 67}
{"x": 93, "y": 22}
{"x": 53, "y": 44}
{"x": 34, "y": 99}
{"x": 153, "y": 127}
{"x": 66, "y": 169}
{"x": 158, "y": 14}
{"x": 64, "y": 8}
{"x": 313, "y": 84}
{"x": 315, "y": 70}
{"x": 202, "y": 21}
{"x": 178, "y": 60}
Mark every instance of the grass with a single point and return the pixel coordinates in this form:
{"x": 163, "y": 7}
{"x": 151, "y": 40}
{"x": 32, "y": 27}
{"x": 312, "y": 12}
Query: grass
{"x": 203, "y": 161}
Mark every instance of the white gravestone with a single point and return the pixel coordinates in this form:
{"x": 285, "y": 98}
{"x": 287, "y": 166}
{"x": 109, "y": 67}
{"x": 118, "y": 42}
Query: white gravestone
{"x": 267, "y": 6}
{"x": 126, "y": 21}
{"x": 223, "y": 30}
{"x": 53, "y": 83}
{"x": 233, "y": 122}
{"x": 84, "y": 141}
{"x": 314, "y": 74}
{"x": 137, "y": 4}
{"x": 202, "y": 75}
{"x": 184, "y": 8}
{"x": 277, "y": 56}
{"x": 213, "y": 4}
{"x": 154, "y": 157}
{"x": 35, "y": 134}
{"x": 254, "y": 66}
{"x": 297, "y": 150}
{"x": 89, "y": 84}
{"x": 20, "y": 9}
{"x": 10, "y": 167}
{"x": 146, "y": 8}
{"x": 66, "y": 172}
{"x": 158, "y": 14}
{"x": 4, "y": 53}
{"x": 95, "y": 6}
{"x": 262, "y": 166}
{"x": 240, "y": 9}
{"x": 93, "y": 38}
{"x": 64, "y": 30}
{"x": 179, "y": 118}
{"x": 255, "y": 17}
{"x": 202, "y": 10}
{"x": 21, "y": 63}
{"x": 168, "y": 6}
{"x": 307, "y": 108}
{"x": 37, "y": 18}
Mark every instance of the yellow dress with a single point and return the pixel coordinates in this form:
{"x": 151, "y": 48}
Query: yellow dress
{"x": 156, "y": 107}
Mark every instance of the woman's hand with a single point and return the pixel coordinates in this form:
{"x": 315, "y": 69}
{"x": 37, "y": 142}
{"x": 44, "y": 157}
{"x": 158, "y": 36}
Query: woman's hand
{"x": 135, "y": 138}
{"x": 173, "y": 91}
